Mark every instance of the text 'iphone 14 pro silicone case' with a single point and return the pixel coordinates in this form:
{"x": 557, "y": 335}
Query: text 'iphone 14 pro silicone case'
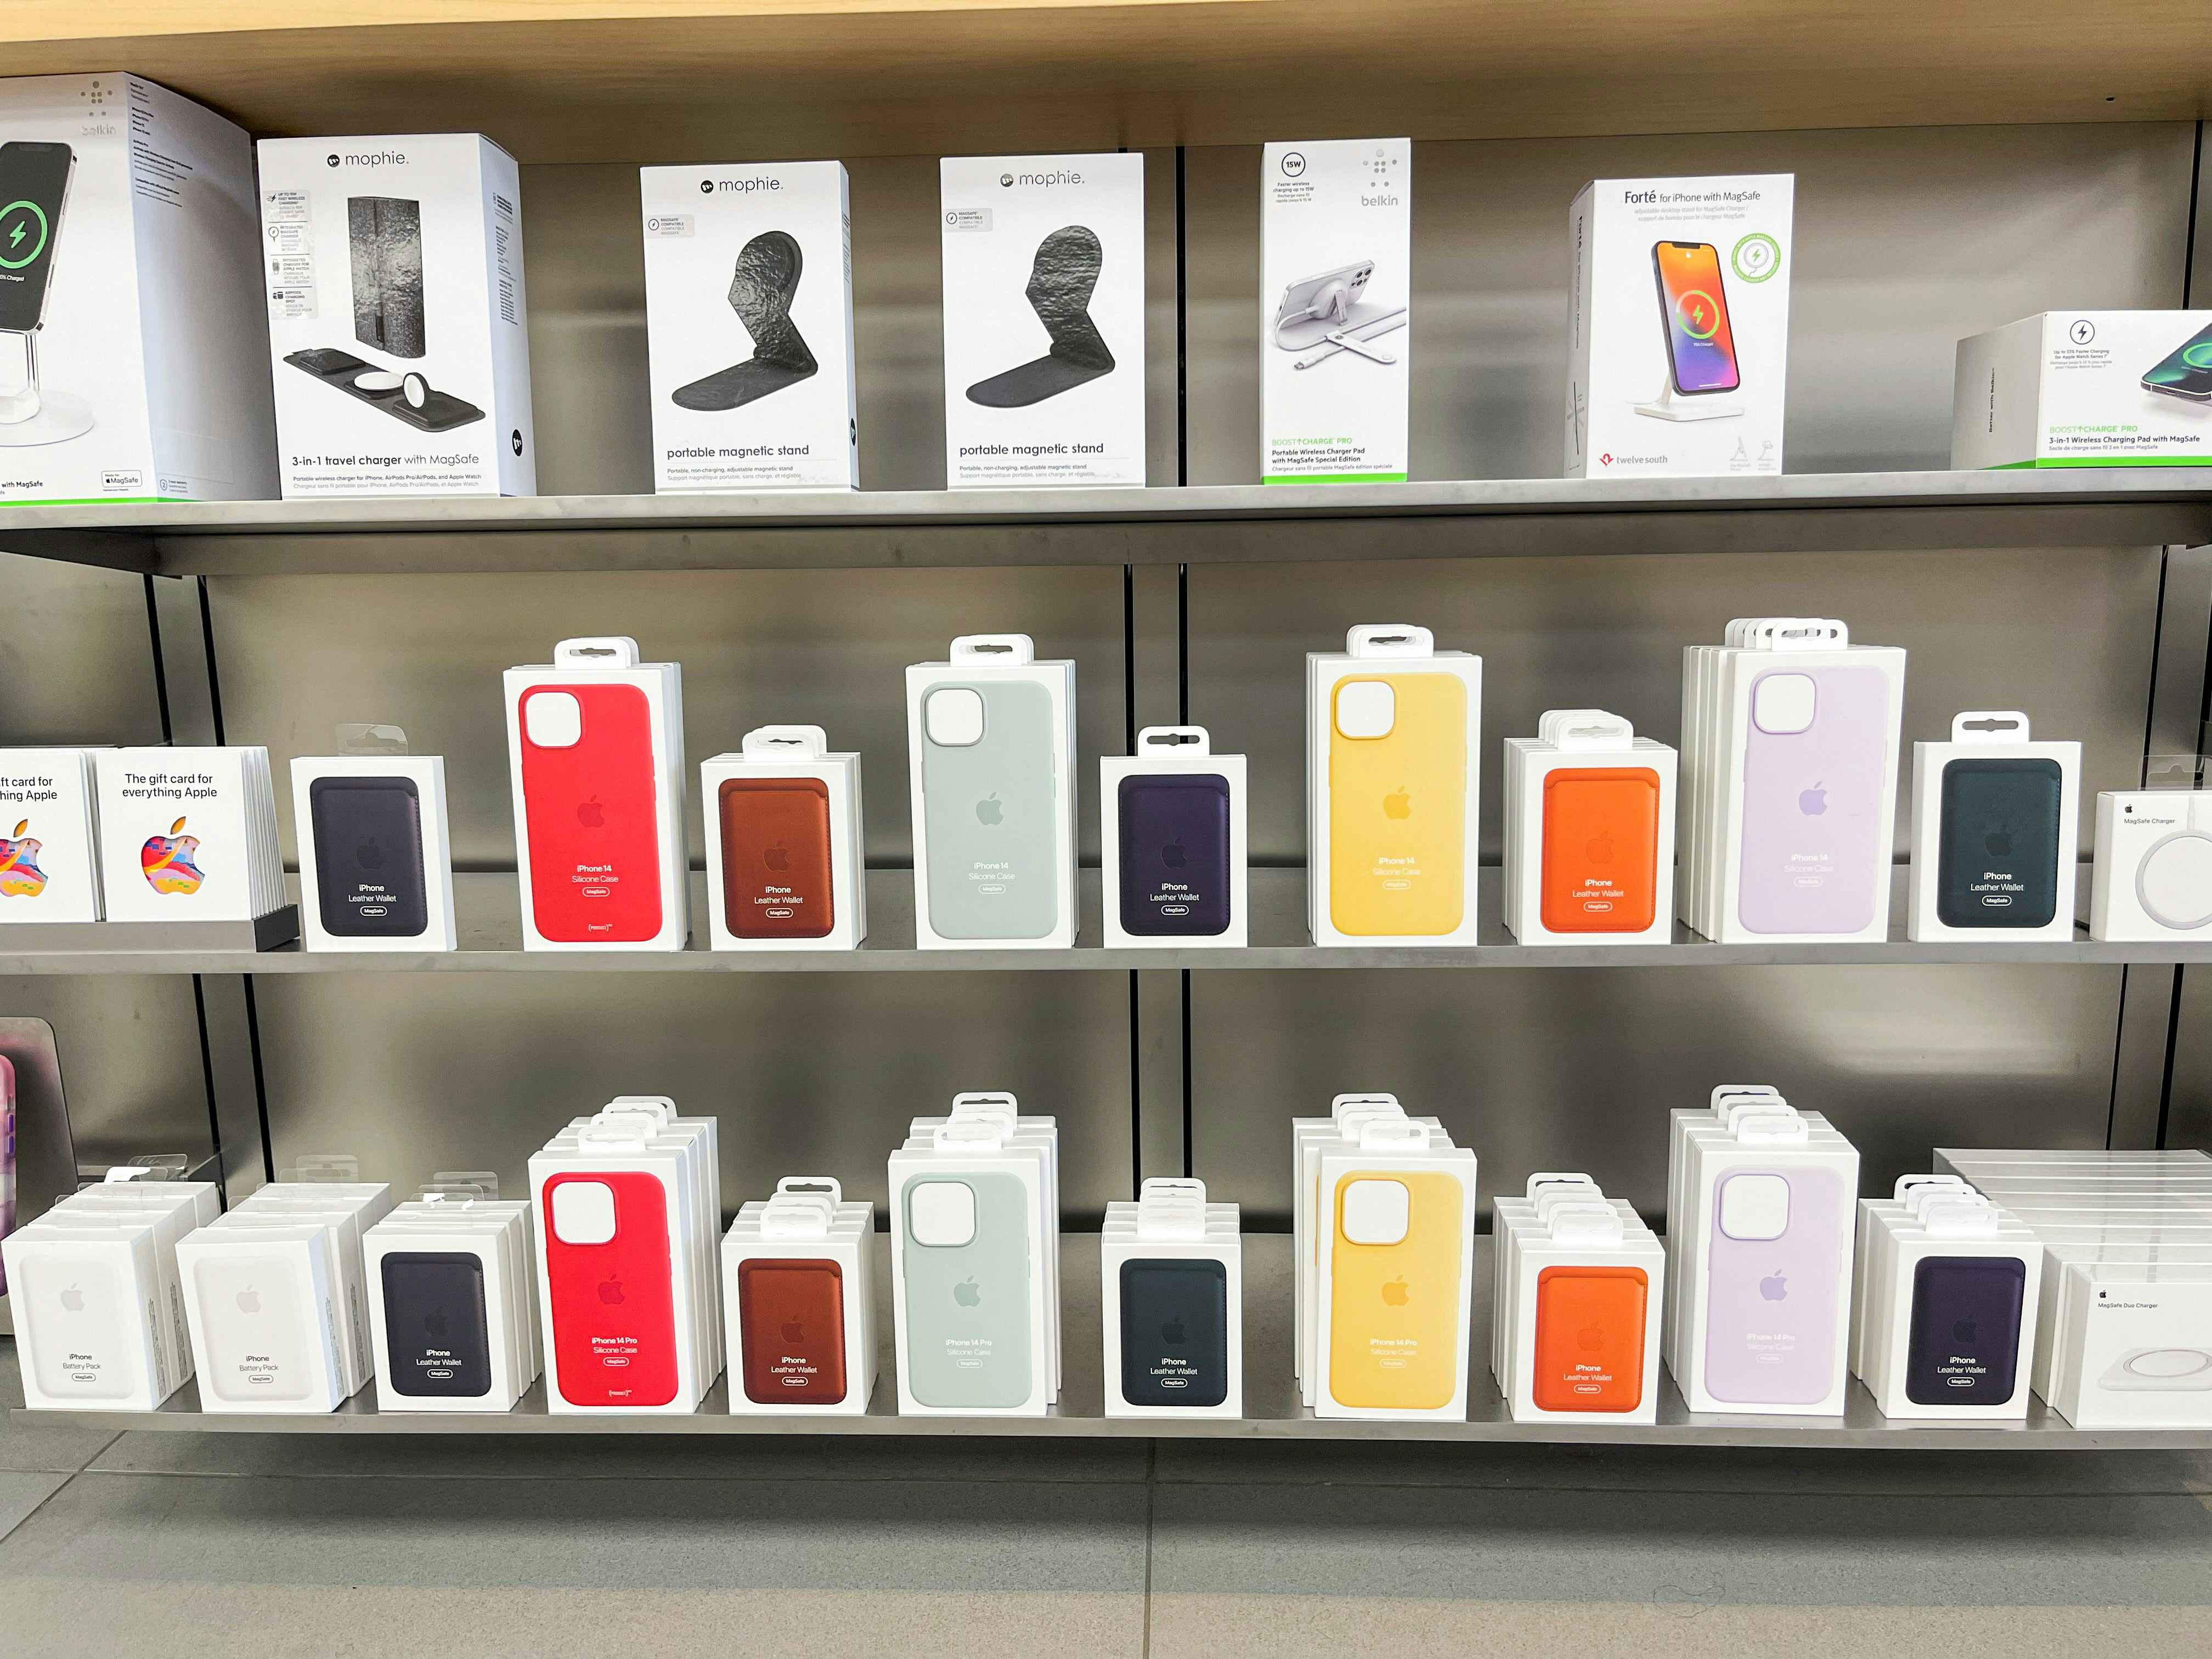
{"x": 1394, "y": 1266}
{"x": 1590, "y": 1339}
{"x": 1174, "y": 831}
{"x": 965, "y": 1251}
{"x": 590, "y": 805}
{"x": 1816, "y": 763}
{"x": 1175, "y": 1333}
{"x": 1998, "y": 863}
{"x": 775, "y": 858}
{"x": 1773, "y": 1274}
{"x": 436, "y": 1335}
{"x": 791, "y": 1325}
{"x": 1397, "y": 804}
{"x": 1600, "y": 849}
{"x": 1965, "y": 1344}
{"x": 611, "y": 1286}
{"x": 988, "y": 789}
{"x": 369, "y": 877}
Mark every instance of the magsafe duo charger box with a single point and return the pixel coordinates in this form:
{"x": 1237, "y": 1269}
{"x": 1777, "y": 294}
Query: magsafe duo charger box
{"x": 2153, "y": 872}
{"x": 1336, "y": 329}
{"x": 749, "y": 327}
{"x": 393, "y": 271}
{"x": 1678, "y": 326}
{"x": 2086, "y": 388}
{"x": 1044, "y": 320}
{"x": 132, "y": 350}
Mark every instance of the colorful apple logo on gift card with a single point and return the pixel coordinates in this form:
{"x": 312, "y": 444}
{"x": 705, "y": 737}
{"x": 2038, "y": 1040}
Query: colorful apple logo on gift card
{"x": 20, "y": 875}
{"x": 168, "y": 861}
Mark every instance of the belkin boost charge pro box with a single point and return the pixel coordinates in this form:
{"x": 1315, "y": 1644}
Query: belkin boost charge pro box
{"x": 393, "y": 271}
{"x": 2086, "y": 388}
{"x": 1678, "y": 326}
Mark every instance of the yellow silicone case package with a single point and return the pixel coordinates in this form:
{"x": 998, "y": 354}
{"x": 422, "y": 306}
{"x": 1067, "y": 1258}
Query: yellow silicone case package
{"x": 1397, "y": 810}
{"x": 1393, "y": 1308}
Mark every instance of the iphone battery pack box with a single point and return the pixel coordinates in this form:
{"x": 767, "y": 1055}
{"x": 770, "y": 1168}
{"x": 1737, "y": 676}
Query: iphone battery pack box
{"x": 798, "y": 1302}
{"x": 785, "y": 864}
{"x": 1995, "y": 830}
{"x": 2086, "y": 388}
{"x": 1590, "y": 833}
{"x": 1172, "y": 839}
{"x": 376, "y": 862}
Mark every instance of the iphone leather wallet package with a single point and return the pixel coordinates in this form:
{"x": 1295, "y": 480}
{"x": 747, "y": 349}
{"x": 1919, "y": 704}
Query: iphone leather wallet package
{"x": 2084, "y": 388}
{"x": 786, "y": 869}
{"x": 1172, "y": 1295}
{"x": 1996, "y": 825}
{"x": 1590, "y": 833}
{"x": 453, "y": 1302}
{"x": 595, "y": 750}
{"x": 1578, "y": 1279}
{"x": 2152, "y": 877}
{"x": 991, "y": 735}
{"x": 1392, "y": 788}
{"x": 798, "y": 1302}
{"x": 376, "y": 861}
{"x": 1947, "y": 1310}
{"x": 1172, "y": 841}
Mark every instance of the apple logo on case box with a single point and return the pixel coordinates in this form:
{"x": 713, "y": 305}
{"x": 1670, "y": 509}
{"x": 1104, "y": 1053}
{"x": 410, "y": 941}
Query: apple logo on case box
{"x": 1398, "y": 804}
{"x": 591, "y": 815}
{"x": 1964, "y": 1330}
{"x": 1999, "y": 843}
{"x": 794, "y": 1331}
{"x": 990, "y": 809}
{"x": 1396, "y": 1291}
{"x": 73, "y": 1299}
{"x": 776, "y": 858}
{"x": 434, "y": 1324}
{"x": 1172, "y": 1331}
{"x": 1591, "y": 1338}
{"x": 369, "y": 855}
{"x": 1812, "y": 802}
{"x": 1600, "y": 850}
{"x": 1173, "y": 855}
{"x": 1774, "y": 1289}
{"x": 967, "y": 1294}
{"x": 249, "y": 1300}
{"x": 611, "y": 1292}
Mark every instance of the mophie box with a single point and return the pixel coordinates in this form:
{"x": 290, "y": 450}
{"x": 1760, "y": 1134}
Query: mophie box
{"x": 397, "y": 318}
{"x": 2086, "y": 388}
{"x": 749, "y": 327}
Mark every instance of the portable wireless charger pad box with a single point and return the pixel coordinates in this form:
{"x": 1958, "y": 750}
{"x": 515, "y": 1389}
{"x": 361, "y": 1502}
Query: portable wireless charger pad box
{"x": 1678, "y": 326}
{"x": 397, "y": 316}
{"x": 1044, "y": 320}
{"x": 132, "y": 363}
{"x": 749, "y": 327}
{"x": 2086, "y": 388}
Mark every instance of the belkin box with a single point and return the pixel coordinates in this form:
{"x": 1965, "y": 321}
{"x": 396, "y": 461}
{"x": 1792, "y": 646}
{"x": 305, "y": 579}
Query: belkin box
{"x": 1678, "y": 326}
{"x": 2086, "y": 388}
{"x": 393, "y": 271}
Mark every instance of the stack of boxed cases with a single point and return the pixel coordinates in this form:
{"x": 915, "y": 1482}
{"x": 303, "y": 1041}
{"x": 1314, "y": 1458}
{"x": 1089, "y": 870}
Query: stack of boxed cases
{"x": 629, "y": 1203}
{"x": 1383, "y": 1231}
{"x": 1575, "y": 1299}
{"x": 99, "y": 1306}
{"x": 453, "y": 1304}
{"x": 275, "y": 1296}
{"x": 2123, "y": 1324}
{"x": 1171, "y": 1290}
{"x": 799, "y": 1301}
{"x": 1590, "y": 833}
{"x": 1947, "y": 1290}
{"x": 975, "y": 1262}
{"x": 1760, "y": 1201}
{"x": 1789, "y": 744}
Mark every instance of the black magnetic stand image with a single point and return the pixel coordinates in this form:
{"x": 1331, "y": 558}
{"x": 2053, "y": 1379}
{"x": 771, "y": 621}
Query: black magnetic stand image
{"x": 1061, "y": 284}
{"x": 760, "y": 292}
{"x": 407, "y": 398}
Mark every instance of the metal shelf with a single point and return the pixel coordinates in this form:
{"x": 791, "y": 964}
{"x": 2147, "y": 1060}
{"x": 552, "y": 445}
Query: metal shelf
{"x": 1271, "y": 1402}
{"x": 1213, "y": 523}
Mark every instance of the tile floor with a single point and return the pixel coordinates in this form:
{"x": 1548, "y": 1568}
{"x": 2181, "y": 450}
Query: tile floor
{"x": 177, "y": 1545}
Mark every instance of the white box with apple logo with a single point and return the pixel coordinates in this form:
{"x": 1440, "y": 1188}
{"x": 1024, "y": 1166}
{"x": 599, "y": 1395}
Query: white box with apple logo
{"x": 790, "y": 1262}
{"x": 1172, "y": 843}
{"x": 786, "y": 864}
{"x": 376, "y": 856}
{"x": 1171, "y": 1296}
{"x": 262, "y": 1304}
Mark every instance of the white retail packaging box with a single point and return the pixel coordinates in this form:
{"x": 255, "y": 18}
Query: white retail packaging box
{"x": 397, "y": 316}
{"x": 132, "y": 351}
{"x": 2152, "y": 877}
{"x": 1044, "y": 320}
{"x": 1948, "y": 1305}
{"x": 91, "y": 1329}
{"x": 2086, "y": 388}
{"x": 1678, "y": 326}
{"x": 376, "y": 858}
{"x": 1336, "y": 333}
{"x": 188, "y": 834}
{"x": 1394, "y": 727}
{"x": 595, "y": 749}
{"x": 785, "y": 863}
{"x": 2131, "y": 1345}
{"x": 1996, "y": 825}
{"x": 1590, "y": 833}
{"x": 749, "y": 327}
{"x": 1580, "y": 1280}
{"x": 262, "y": 1302}
{"x": 1173, "y": 841}
{"x": 450, "y": 1292}
{"x": 991, "y": 741}
{"x": 799, "y": 1303}
{"x": 49, "y": 844}
{"x": 1171, "y": 1290}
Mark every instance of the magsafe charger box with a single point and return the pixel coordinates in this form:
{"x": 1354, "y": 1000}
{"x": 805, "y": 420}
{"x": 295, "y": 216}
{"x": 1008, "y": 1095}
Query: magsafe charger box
{"x": 1336, "y": 327}
{"x": 1044, "y": 320}
{"x": 398, "y": 322}
{"x": 2153, "y": 872}
{"x": 132, "y": 363}
{"x": 749, "y": 327}
{"x": 1678, "y": 326}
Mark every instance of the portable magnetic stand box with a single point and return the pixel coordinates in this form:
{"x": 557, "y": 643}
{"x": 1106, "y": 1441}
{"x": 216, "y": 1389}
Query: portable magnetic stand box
{"x": 1393, "y": 784}
{"x": 376, "y": 857}
{"x": 1044, "y": 320}
{"x": 1996, "y": 824}
{"x": 1172, "y": 836}
{"x": 785, "y": 864}
{"x": 1678, "y": 326}
{"x": 1336, "y": 336}
{"x": 2086, "y": 388}
{"x": 2152, "y": 876}
{"x": 188, "y": 834}
{"x": 397, "y": 316}
{"x": 50, "y": 852}
{"x": 1575, "y": 1305}
{"x": 1590, "y": 833}
{"x": 133, "y": 358}
{"x": 595, "y": 747}
{"x": 749, "y": 327}
{"x": 1171, "y": 1268}
{"x": 991, "y": 735}
{"x": 453, "y": 1304}
{"x": 798, "y": 1302}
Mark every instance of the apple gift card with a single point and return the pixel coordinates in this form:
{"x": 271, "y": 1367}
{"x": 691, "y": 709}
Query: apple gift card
{"x": 49, "y": 860}
{"x": 188, "y": 834}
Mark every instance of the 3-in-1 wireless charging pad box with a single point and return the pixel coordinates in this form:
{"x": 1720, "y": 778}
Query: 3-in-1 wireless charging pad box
{"x": 749, "y": 327}
{"x": 2086, "y": 388}
{"x": 131, "y": 351}
{"x": 397, "y": 316}
{"x": 1678, "y": 326}
{"x": 1336, "y": 336}
{"x": 1044, "y": 320}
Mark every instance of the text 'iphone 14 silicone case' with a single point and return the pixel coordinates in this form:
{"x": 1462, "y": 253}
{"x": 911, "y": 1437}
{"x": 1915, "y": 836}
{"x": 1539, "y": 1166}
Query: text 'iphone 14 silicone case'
{"x": 1600, "y": 872}
{"x": 990, "y": 809}
{"x": 592, "y": 813}
{"x": 1590, "y": 1339}
{"x": 1965, "y": 1344}
{"x": 1175, "y": 1333}
{"x": 791, "y": 1325}
{"x": 1815, "y": 764}
{"x": 1174, "y": 829}
{"x": 437, "y": 1337}
{"x": 369, "y": 878}
{"x": 1996, "y": 863}
{"x": 775, "y": 858}
{"x": 1773, "y": 1274}
{"x": 965, "y": 1249}
{"x": 609, "y": 1283}
{"x": 1395, "y": 1262}
{"x": 1397, "y": 804}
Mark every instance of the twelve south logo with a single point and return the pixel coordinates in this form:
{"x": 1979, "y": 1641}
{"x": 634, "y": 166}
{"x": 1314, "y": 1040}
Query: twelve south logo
{"x": 168, "y": 863}
{"x": 20, "y": 875}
